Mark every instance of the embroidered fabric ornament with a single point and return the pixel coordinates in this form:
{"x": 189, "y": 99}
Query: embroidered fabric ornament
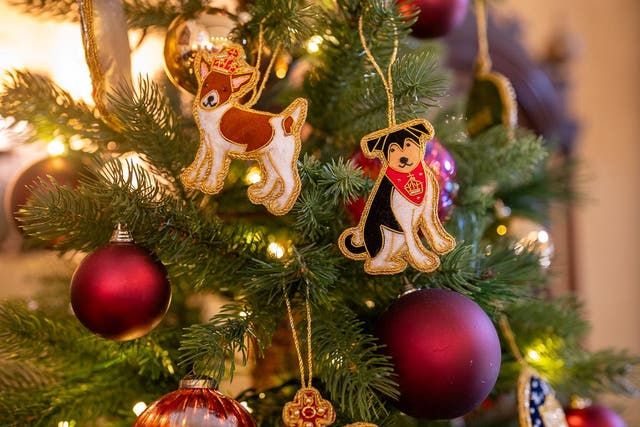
{"x": 308, "y": 409}
{"x": 402, "y": 205}
{"x": 537, "y": 403}
{"x": 404, "y": 200}
{"x": 230, "y": 129}
{"x": 492, "y": 100}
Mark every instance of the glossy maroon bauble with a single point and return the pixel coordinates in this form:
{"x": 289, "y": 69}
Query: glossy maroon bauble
{"x": 445, "y": 351}
{"x": 436, "y": 17}
{"x": 439, "y": 161}
{"x": 593, "y": 416}
{"x": 120, "y": 291}
{"x": 65, "y": 170}
{"x": 195, "y": 404}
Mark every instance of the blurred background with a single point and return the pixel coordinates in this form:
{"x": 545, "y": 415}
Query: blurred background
{"x": 598, "y": 247}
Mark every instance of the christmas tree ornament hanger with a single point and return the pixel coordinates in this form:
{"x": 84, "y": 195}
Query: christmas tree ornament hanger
{"x": 492, "y": 99}
{"x": 387, "y": 81}
{"x": 308, "y": 408}
{"x": 403, "y": 204}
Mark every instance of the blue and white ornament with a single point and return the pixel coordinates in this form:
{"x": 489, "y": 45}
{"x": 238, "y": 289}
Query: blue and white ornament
{"x": 537, "y": 402}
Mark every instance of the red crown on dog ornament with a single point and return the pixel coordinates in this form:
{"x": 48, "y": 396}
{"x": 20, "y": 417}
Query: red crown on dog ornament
{"x": 229, "y": 60}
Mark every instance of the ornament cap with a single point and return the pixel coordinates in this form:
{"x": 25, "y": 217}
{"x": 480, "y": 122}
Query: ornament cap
{"x": 121, "y": 235}
{"x": 198, "y": 381}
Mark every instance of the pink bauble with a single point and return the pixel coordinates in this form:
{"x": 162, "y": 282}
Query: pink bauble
{"x": 436, "y": 17}
{"x": 445, "y": 351}
{"x": 120, "y": 291}
{"x": 593, "y": 416}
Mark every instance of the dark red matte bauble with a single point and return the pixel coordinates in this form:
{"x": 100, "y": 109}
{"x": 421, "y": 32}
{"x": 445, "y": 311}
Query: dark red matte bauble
{"x": 593, "y": 416}
{"x": 65, "y": 170}
{"x": 196, "y": 404}
{"x": 120, "y": 291}
{"x": 436, "y": 157}
{"x": 445, "y": 351}
{"x": 436, "y": 17}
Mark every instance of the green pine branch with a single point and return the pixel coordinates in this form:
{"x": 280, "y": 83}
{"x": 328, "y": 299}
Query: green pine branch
{"x": 58, "y": 384}
{"x": 154, "y": 130}
{"x": 356, "y": 375}
{"x": 51, "y": 111}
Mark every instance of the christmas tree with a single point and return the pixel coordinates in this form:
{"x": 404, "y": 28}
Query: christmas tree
{"x": 261, "y": 180}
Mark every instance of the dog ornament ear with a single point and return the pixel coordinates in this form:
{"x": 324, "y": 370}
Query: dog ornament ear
{"x": 402, "y": 209}
{"x": 201, "y": 68}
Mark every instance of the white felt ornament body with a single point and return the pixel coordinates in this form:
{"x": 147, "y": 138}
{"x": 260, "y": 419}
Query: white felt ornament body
{"x": 402, "y": 206}
{"x": 229, "y": 130}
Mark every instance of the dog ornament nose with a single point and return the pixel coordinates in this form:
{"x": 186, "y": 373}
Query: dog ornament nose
{"x": 404, "y": 159}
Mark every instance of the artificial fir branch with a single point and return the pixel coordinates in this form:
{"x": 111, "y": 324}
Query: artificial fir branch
{"x": 71, "y": 389}
{"x": 554, "y": 331}
{"x": 476, "y": 158}
{"x": 356, "y": 374}
{"x": 50, "y": 110}
{"x": 150, "y": 15}
{"x": 326, "y": 188}
{"x": 182, "y": 238}
{"x": 211, "y": 348}
{"x": 154, "y": 129}
{"x": 284, "y": 23}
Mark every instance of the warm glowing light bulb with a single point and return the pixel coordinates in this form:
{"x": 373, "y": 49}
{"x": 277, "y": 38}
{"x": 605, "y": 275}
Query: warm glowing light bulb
{"x": 253, "y": 175}
{"x": 533, "y": 355}
{"x": 276, "y": 250}
{"x": 139, "y": 408}
{"x": 543, "y": 236}
{"x": 246, "y": 406}
{"x": 281, "y": 71}
{"x": 56, "y": 147}
{"x": 313, "y": 44}
{"x": 501, "y": 230}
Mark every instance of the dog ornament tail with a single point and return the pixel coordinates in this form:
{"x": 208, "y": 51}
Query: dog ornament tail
{"x": 351, "y": 243}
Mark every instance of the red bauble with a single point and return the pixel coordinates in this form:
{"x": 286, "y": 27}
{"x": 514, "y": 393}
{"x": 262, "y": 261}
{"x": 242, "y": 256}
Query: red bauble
{"x": 445, "y": 352}
{"x": 436, "y": 17}
{"x": 436, "y": 157}
{"x": 195, "y": 403}
{"x": 593, "y": 416}
{"x": 65, "y": 170}
{"x": 120, "y": 291}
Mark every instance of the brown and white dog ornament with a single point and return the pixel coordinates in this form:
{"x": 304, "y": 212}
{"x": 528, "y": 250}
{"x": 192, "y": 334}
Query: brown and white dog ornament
{"x": 229, "y": 129}
{"x": 402, "y": 207}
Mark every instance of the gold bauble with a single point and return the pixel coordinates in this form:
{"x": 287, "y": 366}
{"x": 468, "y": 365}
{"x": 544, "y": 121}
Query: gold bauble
{"x": 208, "y": 29}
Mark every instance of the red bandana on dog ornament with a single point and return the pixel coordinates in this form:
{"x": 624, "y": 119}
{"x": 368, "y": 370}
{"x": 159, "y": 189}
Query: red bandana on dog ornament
{"x": 411, "y": 185}
{"x": 402, "y": 208}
